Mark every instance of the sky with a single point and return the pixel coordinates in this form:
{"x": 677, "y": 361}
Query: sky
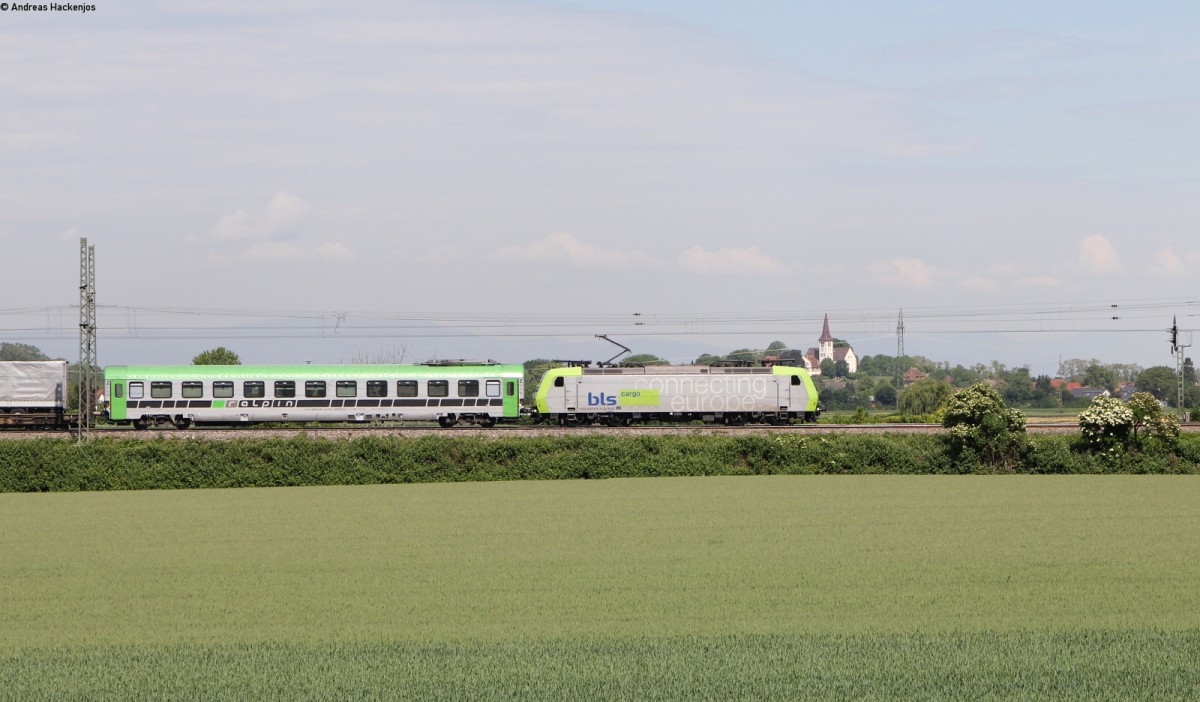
{"x": 325, "y": 181}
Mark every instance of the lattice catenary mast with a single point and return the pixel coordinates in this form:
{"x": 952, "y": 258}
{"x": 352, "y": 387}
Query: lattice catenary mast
{"x": 87, "y": 336}
{"x": 899, "y": 355}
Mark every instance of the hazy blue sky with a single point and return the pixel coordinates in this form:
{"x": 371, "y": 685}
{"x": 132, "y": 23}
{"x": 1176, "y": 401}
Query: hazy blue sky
{"x": 514, "y": 166}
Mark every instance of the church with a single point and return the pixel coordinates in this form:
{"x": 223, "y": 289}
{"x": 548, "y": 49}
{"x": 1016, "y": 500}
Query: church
{"x": 841, "y": 351}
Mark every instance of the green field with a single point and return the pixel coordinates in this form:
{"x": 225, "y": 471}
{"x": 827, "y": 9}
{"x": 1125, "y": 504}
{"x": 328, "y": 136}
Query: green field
{"x": 675, "y": 588}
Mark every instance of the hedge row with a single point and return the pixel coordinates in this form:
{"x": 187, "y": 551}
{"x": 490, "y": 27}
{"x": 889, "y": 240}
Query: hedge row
{"x": 128, "y": 464}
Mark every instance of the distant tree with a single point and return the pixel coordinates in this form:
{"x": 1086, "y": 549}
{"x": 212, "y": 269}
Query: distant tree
{"x": 841, "y": 369}
{"x": 1100, "y": 376}
{"x": 775, "y": 347}
{"x": 744, "y": 355}
{"x": 644, "y": 359}
{"x": 924, "y": 396}
{"x": 1189, "y": 372}
{"x": 219, "y": 356}
{"x": 885, "y": 394}
{"x": 534, "y": 370}
{"x": 1074, "y": 368}
{"x": 1159, "y": 381}
{"x": 707, "y": 359}
{"x": 828, "y": 368}
{"x": 1126, "y": 371}
{"x": 395, "y": 355}
{"x": 21, "y": 352}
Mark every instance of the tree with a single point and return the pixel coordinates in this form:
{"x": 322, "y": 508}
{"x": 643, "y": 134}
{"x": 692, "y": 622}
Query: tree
{"x": 828, "y": 368}
{"x": 1159, "y": 381}
{"x": 644, "y": 359}
{"x": 219, "y": 356}
{"x": 924, "y": 396}
{"x": 394, "y": 355}
{"x": 21, "y": 352}
{"x": 1098, "y": 376}
{"x": 775, "y": 347}
{"x": 983, "y": 427}
{"x": 885, "y": 394}
{"x": 1074, "y": 368}
{"x": 1148, "y": 416}
{"x": 841, "y": 369}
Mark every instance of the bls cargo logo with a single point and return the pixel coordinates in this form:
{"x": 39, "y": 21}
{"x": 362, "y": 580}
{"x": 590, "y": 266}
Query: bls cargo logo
{"x": 623, "y": 398}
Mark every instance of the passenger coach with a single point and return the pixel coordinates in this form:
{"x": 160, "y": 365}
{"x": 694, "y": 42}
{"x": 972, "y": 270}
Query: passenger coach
{"x": 449, "y": 393}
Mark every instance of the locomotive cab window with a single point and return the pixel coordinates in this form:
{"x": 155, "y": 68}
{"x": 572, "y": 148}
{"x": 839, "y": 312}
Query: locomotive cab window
{"x": 285, "y": 388}
{"x": 796, "y": 380}
{"x": 314, "y": 388}
{"x": 254, "y": 388}
{"x": 377, "y": 388}
{"x": 137, "y": 390}
{"x": 222, "y": 388}
{"x": 492, "y": 388}
{"x": 406, "y": 388}
{"x": 346, "y": 388}
{"x": 193, "y": 389}
{"x": 160, "y": 389}
{"x": 468, "y": 388}
{"x": 559, "y": 382}
{"x": 439, "y": 388}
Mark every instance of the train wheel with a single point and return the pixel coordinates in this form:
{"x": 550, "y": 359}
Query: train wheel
{"x": 487, "y": 422}
{"x": 182, "y": 422}
{"x": 140, "y": 424}
{"x": 447, "y": 421}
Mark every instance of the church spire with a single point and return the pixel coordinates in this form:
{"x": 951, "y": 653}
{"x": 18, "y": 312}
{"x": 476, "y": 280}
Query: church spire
{"x": 825, "y": 335}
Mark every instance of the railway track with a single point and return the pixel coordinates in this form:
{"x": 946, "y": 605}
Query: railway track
{"x": 346, "y": 432}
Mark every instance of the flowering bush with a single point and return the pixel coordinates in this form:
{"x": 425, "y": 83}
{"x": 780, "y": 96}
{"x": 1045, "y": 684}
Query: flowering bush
{"x": 1105, "y": 422}
{"x": 981, "y": 425}
{"x": 1148, "y": 416}
{"x": 1108, "y": 422}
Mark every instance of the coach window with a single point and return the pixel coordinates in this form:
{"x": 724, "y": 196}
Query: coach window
{"x": 193, "y": 389}
{"x": 468, "y": 388}
{"x": 314, "y": 388}
{"x": 376, "y": 388}
{"x": 160, "y": 389}
{"x": 439, "y": 388}
{"x": 254, "y": 388}
{"x": 492, "y": 388}
{"x": 118, "y": 390}
{"x": 406, "y": 388}
{"x": 347, "y": 388}
{"x": 285, "y": 388}
{"x": 136, "y": 390}
{"x": 512, "y": 388}
{"x": 222, "y": 388}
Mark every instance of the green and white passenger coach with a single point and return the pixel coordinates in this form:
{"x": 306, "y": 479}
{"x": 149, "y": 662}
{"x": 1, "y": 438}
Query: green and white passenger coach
{"x": 450, "y": 393}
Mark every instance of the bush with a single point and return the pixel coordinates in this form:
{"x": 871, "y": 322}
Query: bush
{"x": 983, "y": 429}
{"x": 41, "y": 465}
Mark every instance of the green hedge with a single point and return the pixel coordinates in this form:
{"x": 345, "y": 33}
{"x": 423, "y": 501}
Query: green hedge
{"x": 41, "y": 465}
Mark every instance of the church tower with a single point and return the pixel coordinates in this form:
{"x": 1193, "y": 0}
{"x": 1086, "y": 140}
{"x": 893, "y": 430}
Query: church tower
{"x": 826, "y": 341}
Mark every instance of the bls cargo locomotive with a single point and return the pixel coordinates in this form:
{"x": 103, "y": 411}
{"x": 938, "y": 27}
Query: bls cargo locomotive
{"x": 712, "y": 394}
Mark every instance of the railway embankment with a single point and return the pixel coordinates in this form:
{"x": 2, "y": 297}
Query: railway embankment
{"x": 114, "y": 463}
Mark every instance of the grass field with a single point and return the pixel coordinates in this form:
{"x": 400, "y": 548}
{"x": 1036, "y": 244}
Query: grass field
{"x": 684, "y": 588}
